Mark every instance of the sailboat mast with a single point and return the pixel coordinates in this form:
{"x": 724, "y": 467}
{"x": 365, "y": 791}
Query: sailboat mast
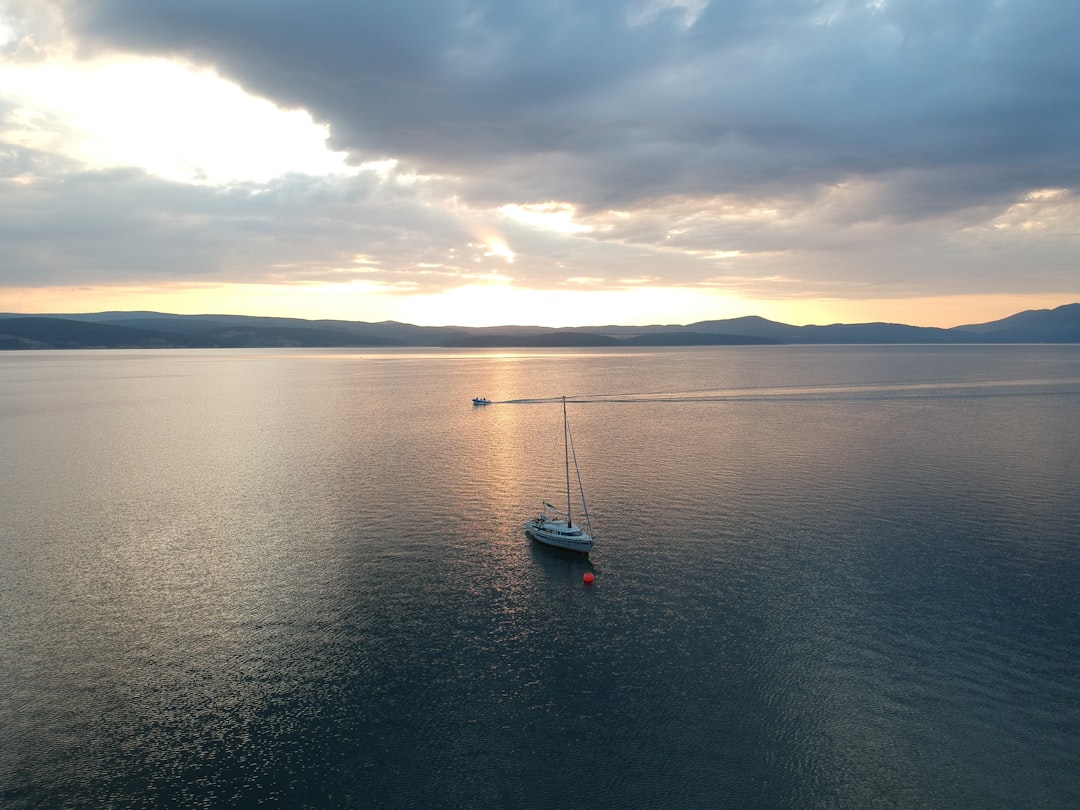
{"x": 566, "y": 452}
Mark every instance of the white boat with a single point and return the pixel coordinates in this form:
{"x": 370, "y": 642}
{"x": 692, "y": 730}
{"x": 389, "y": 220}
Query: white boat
{"x": 560, "y": 532}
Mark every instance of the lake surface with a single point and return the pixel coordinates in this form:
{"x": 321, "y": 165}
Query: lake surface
{"x": 839, "y": 577}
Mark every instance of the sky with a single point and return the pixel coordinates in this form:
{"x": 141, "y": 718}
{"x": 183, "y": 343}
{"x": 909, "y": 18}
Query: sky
{"x": 544, "y": 162}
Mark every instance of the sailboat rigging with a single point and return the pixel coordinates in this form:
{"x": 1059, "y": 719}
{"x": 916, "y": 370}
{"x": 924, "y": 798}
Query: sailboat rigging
{"x": 561, "y": 532}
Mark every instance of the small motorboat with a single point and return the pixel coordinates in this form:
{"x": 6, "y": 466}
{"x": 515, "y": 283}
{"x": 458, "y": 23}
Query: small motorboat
{"x": 481, "y": 401}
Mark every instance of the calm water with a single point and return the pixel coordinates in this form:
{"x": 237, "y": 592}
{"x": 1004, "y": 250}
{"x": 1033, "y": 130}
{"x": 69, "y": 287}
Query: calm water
{"x": 825, "y": 577}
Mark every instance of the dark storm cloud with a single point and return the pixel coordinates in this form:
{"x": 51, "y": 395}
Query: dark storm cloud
{"x": 609, "y": 103}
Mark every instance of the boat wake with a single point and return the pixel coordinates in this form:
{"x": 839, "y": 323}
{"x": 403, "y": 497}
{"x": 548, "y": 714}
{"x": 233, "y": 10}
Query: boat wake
{"x": 841, "y": 392}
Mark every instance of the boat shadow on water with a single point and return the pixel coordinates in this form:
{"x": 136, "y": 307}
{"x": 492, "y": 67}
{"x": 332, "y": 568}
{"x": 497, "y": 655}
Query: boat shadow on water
{"x": 559, "y": 563}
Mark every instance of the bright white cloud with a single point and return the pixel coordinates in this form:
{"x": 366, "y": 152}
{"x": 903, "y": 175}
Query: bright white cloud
{"x": 172, "y": 120}
{"x": 686, "y": 11}
{"x": 550, "y": 216}
{"x": 500, "y": 249}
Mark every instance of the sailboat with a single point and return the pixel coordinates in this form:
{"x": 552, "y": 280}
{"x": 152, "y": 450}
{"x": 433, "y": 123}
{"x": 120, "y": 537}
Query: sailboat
{"x": 560, "y": 532}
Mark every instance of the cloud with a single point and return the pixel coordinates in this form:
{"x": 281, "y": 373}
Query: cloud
{"x": 829, "y": 147}
{"x": 625, "y": 105}
{"x": 118, "y": 225}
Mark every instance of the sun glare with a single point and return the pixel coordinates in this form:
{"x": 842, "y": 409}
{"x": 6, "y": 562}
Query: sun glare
{"x": 499, "y": 249}
{"x": 173, "y": 120}
{"x": 551, "y": 216}
{"x": 505, "y": 304}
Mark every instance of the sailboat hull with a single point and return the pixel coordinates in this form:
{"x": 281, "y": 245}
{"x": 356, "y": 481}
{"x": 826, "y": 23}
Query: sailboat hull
{"x": 557, "y": 534}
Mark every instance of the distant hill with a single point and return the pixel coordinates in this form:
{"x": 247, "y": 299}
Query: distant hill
{"x": 164, "y": 330}
{"x": 35, "y": 332}
{"x": 834, "y": 333}
{"x": 692, "y": 338}
{"x": 1060, "y": 325}
{"x": 552, "y": 339}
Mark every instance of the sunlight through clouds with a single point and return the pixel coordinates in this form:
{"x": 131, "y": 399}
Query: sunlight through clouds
{"x": 172, "y": 120}
{"x": 550, "y": 216}
{"x": 498, "y": 248}
{"x": 1042, "y": 210}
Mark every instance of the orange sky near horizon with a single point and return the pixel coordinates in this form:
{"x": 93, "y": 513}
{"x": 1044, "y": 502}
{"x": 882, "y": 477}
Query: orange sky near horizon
{"x": 501, "y": 305}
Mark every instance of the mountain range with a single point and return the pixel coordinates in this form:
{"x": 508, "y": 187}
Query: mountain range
{"x": 162, "y": 330}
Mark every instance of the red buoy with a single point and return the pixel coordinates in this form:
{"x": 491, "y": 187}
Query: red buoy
{"x": 588, "y": 577}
